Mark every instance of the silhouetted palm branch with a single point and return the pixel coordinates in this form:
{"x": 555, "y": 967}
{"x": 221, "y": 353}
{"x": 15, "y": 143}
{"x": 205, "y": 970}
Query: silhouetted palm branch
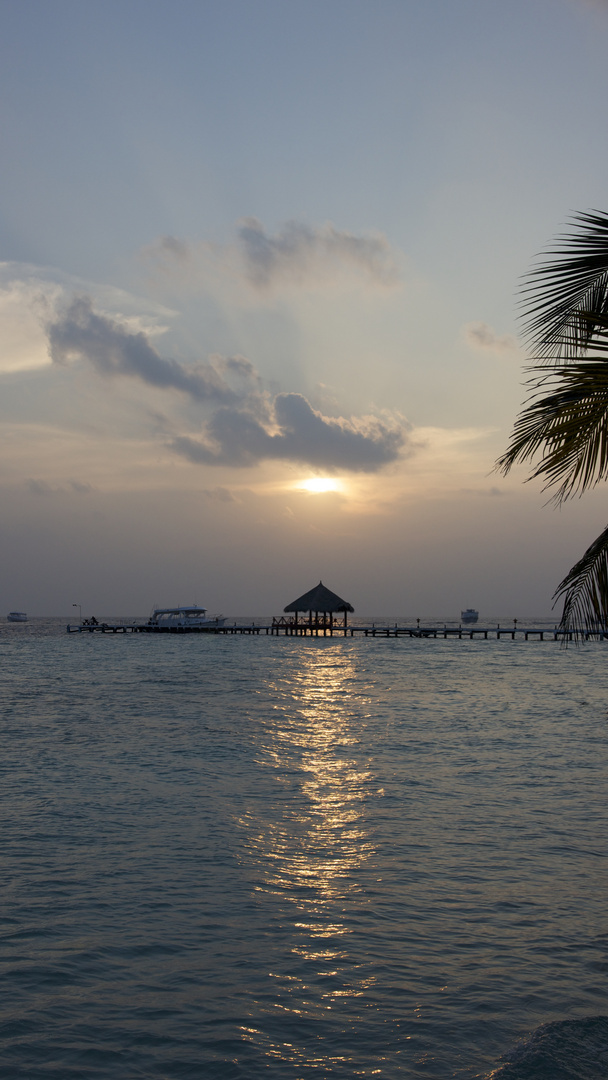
{"x": 585, "y": 589}
{"x": 565, "y": 313}
{"x": 565, "y": 302}
{"x": 568, "y": 425}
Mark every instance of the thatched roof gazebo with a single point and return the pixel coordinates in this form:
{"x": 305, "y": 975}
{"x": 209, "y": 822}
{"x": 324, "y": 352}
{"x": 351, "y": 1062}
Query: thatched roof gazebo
{"x": 320, "y": 601}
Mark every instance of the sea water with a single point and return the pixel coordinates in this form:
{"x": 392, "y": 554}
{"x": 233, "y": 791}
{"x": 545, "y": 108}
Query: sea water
{"x": 242, "y": 857}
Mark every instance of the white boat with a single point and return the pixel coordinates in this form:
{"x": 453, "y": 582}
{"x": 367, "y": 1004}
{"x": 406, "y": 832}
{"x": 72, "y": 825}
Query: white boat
{"x": 190, "y": 617}
{"x": 469, "y": 616}
{"x": 17, "y": 616}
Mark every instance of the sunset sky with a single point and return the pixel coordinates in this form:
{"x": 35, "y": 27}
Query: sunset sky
{"x": 258, "y": 298}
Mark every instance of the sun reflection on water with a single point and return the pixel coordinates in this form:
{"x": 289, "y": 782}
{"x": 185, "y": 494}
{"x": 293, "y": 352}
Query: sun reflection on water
{"x": 317, "y": 847}
{"x": 309, "y": 856}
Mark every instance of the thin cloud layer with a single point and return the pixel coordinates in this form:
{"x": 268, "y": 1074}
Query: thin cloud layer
{"x": 482, "y": 336}
{"x": 82, "y": 334}
{"x": 295, "y": 432}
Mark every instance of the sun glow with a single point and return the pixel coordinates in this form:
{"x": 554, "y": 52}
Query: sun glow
{"x": 318, "y": 485}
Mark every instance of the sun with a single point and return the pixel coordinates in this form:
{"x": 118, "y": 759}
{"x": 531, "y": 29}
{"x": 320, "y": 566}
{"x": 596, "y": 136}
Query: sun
{"x": 318, "y": 485}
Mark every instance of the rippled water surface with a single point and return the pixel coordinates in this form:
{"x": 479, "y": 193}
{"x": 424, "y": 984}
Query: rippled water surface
{"x": 284, "y": 858}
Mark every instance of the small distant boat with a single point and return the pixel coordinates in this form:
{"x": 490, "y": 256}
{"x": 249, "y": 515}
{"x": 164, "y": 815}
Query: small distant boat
{"x": 469, "y": 616}
{"x": 189, "y": 617}
{"x": 17, "y": 616}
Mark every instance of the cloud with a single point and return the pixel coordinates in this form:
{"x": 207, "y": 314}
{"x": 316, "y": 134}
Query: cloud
{"x": 23, "y": 308}
{"x": 298, "y": 255}
{"x": 492, "y": 492}
{"x": 173, "y": 247}
{"x": 32, "y": 296}
{"x": 219, "y": 494}
{"x": 42, "y": 487}
{"x": 482, "y": 336}
{"x": 295, "y": 432}
{"x": 39, "y": 487}
{"x": 244, "y": 424}
{"x": 82, "y": 334}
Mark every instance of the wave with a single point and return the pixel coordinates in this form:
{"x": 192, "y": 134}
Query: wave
{"x": 561, "y": 1050}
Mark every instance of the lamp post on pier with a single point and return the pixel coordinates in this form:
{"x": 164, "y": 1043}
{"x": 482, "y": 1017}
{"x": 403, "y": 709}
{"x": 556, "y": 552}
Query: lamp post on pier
{"x": 79, "y": 606}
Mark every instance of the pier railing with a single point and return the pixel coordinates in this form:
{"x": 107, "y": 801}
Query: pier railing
{"x": 316, "y": 624}
{"x": 325, "y": 627}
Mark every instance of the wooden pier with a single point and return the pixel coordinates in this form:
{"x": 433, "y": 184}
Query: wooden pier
{"x": 282, "y": 627}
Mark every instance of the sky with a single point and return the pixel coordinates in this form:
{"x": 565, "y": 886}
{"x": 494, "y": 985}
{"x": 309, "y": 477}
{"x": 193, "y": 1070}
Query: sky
{"x": 259, "y": 273}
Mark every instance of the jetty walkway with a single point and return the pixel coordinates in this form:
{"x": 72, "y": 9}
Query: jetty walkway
{"x": 326, "y": 628}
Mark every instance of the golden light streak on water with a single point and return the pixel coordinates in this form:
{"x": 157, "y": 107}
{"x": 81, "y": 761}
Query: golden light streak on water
{"x": 311, "y": 853}
{"x": 321, "y": 844}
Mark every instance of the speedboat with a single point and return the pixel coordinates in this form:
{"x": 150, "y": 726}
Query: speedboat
{"x": 470, "y": 615}
{"x": 191, "y": 617}
{"x": 17, "y": 616}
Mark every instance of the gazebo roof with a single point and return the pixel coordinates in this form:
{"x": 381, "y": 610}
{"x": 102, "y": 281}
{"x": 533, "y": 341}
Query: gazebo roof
{"x": 319, "y": 599}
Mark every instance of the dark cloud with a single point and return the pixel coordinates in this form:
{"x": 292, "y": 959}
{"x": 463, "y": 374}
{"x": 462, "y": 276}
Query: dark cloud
{"x": 299, "y": 251}
{"x": 299, "y": 434}
{"x": 81, "y": 334}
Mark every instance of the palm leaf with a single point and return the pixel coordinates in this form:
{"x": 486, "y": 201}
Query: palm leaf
{"x": 565, "y": 300}
{"x": 585, "y": 590}
{"x": 565, "y": 420}
{"x": 568, "y": 425}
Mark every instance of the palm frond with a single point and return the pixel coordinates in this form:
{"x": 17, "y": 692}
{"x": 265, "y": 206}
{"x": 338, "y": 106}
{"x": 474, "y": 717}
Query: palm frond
{"x": 565, "y": 419}
{"x": 585, "y": 590}
{"x": 568, "y": 425}
{"x": 565, "y": 299}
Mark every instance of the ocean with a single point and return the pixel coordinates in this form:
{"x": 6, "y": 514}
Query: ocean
{"x": 258, "y": 857}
